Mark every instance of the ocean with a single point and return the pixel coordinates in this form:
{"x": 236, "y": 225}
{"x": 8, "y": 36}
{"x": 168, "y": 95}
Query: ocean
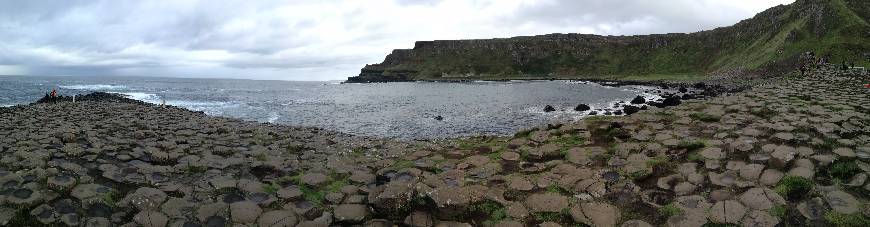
{"x": 388, "y": 110}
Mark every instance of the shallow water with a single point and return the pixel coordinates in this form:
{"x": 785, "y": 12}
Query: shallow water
{"x": 396, "y": 110}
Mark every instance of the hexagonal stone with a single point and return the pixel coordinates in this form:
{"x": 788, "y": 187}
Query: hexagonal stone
{"x": 751, "y": 172}
{"x": 770, "y": 177}
{"x": 61, "y": 182}
{"x": 6, "y": 215}
{"x": 516, "y": 210}
{"x": 843, "y": 202}
{"x": 844, "y": 152}
{"x": 728, "y": 211}
{"x": 24, "y": 197}
{"x": 351, "y": 213}
{"x": 546, "y": 202}
{"x": 151, "y": 219}
{"x": 314, "y": 179}
{"x": 760, "y": 219}
{"x": 291, "y": 193}
{"x": 419, "y": 219}
{"x": 761, "y": 198}
{"x": 812, "y": 209}
{"x": 510, "y": 156}
{"x": 145, "y": 199}
{"x": 176, "y": 207}
{"x": 278, "y": 218}
{"x": 44, "y": 214}
{"x": 782, "y": 155}
{"x": 714, "y": 153}
{"x": 245, "y": 212}
{"x": 595, "y": 214}
{"x": 520, "y": 184}
{"x": 97, "y": 222}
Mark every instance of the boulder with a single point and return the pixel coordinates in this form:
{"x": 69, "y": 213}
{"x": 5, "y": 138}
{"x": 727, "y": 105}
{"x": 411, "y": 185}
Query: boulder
{"x": 582, "y": 107}
{"x": 638, "y": 100}
{"x": 629, "y": 110}
{"x": 549, "y": 108}
{"x": 671, "y": 101}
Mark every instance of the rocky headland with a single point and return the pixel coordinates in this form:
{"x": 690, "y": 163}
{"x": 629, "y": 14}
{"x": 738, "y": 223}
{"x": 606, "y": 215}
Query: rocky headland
{"x": 788, "y": 151}
{"x": 770, "y": 43}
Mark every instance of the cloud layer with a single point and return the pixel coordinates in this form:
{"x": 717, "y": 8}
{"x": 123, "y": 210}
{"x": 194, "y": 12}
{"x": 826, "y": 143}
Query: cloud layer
{"x": 305, "y": 39}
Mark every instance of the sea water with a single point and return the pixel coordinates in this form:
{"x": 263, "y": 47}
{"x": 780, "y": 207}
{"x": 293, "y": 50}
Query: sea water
{"x": 393, "y": 110}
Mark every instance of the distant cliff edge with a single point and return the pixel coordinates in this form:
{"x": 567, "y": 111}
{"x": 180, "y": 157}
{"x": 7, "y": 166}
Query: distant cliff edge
{"x": 837, "y": 30}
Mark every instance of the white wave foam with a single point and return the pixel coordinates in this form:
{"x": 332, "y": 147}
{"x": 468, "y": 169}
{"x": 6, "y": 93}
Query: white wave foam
{"x": 272, "y": 117}
{"x": 145, "y": 97}
{"x": 93, "y": 87}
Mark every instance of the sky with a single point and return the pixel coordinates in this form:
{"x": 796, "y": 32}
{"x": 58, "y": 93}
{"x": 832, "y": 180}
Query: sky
{"x": 305, "y": 39}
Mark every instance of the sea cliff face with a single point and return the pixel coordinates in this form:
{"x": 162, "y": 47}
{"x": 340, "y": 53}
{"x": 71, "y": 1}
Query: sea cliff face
{"x": 834, "y": 29}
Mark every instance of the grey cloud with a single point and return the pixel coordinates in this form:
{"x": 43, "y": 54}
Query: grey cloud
{"x": 301, "y": 39}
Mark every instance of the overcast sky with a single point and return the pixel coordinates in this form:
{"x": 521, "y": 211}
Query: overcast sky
{"x": 305, "y": 39}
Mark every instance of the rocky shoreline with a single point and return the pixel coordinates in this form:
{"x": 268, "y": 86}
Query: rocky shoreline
{"x": 790, "y": 151}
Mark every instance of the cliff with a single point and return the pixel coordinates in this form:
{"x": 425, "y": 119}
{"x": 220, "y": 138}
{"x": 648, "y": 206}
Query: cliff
{"x": 835, "y": 29}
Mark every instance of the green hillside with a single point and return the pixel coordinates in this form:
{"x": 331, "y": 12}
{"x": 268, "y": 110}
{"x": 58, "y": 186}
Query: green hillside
{"x": 767, "y": 43}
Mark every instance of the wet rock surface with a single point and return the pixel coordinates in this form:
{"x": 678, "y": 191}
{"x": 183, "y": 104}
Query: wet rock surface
{"x": 742, "y": 158}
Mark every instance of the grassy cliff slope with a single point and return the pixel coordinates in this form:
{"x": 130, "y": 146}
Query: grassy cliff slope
{"x": 835, "y": 29}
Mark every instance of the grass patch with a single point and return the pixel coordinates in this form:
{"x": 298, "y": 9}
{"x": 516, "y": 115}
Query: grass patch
{"x": 699, "y": 116}
{"x": 271, "y": 188}
{"x": 312, "y": 195}
{"x": 556, "y": 189}
{"x": 524, "y": 133}
{"x": 336, "y": 185}
{"x": 685, "y": 77}
{"x": 111, "y": 198}
{"x": 844, "y": 170}
{"x": 570, "y": 141}
{"x": 358, "y": 151}
{"x": 692, "y": 145}
{"x": 295, "y": 149}
{"x": 794, "y": 187}
{"x": 639, "y": 174}
{"x": 195, "y": 169}
{"x": 494, "y": 211}
{"x": 495, "y": 156}
{"x": 260, "y": 157}
{"x": 403, "y": 164}
{"x": 670, "y": 210}
{"x": 778, "y": 211}
{"x": 694, "y": 157}
{"x": 660, "y": 162}
{"x": 548, "y": 216}
{"x": 844, "y": 220}
{"x": 763, "y": 112}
